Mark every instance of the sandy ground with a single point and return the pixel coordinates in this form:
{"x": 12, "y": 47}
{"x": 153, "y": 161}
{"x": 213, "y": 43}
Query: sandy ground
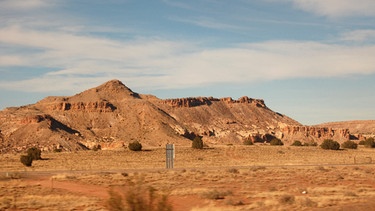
{"x": 219, "y": 178}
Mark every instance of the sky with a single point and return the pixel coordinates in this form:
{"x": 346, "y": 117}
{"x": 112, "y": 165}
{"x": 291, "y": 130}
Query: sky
{"x": 312, "y": 60}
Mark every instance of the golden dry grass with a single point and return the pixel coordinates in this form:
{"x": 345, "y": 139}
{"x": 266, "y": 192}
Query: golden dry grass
{"x": 220, "y": 178}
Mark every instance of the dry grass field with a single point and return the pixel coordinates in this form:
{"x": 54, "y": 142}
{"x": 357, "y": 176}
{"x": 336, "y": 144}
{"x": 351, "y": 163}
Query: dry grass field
{"x": 258, "y": 177}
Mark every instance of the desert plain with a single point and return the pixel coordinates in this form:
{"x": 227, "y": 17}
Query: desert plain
{"x": 219, "y": 177}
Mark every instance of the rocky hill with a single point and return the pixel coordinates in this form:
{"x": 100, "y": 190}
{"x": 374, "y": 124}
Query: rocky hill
{"x": 112, "y": 115}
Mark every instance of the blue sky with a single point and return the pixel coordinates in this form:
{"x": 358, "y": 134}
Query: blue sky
{"x": 312, "y": 60}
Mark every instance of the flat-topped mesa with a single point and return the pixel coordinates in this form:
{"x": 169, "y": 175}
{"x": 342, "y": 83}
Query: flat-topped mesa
{"x": 198, "y": 101}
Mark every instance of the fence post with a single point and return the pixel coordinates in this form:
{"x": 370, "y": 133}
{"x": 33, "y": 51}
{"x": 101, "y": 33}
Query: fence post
{"x": 170, "y": 155}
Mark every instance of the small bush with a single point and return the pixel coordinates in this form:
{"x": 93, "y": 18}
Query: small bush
{"x": 96, "y": 147}
{"x": 138, "y": 198}
{"x": 330, "y": 144}
{"x": 34, "y": 153}
{"x": 349, "y": 145}
{"x": 135, "y": 146}
{"x": 297, "y": 143}
{"x": 216, "y": 195}
{"x": 369, "y": 143}
{"x": 310, "y": 144}
{"x": 26, "y": 160}
{"x": 248, "y": 142}
{"x": 276, "y": 142}
{"x": 197, "y": 143}
{"x": 287, "y": 199}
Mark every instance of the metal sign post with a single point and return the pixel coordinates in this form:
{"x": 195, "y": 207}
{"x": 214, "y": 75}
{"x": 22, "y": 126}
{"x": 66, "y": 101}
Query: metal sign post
{"x": 170, "y": 156}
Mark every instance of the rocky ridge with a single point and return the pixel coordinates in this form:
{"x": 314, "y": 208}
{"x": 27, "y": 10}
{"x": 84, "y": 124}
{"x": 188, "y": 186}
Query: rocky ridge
{"x": 112, "y": 115}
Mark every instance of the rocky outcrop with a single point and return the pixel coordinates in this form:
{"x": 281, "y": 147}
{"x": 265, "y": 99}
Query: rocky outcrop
{"x": 33, "y": 119}
{"x": 190, "y": 102}
{"x": 245, "y": 99}
{"x": 316, "y": 132}
{"x": 199, "y": 101}
{"x": 101, "y": 106}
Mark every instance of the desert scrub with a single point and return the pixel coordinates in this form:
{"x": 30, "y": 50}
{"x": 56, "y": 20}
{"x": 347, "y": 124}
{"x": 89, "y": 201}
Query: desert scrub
{"x": 197, "y": 143}
{"x": 330, "y": 144}
{"x": 349, "y": 145}
{"x": 34, "y": 153}
{"x": 276, "y": 142}
{"x": 297, "y": 143}
{"x": 368, "y": 143}
{"x": 26, "y": 160}
{"x": 138, "y": 198}
{"x": 216, "y": 195}
{"x": 248, "y": 142}
{"x": 135, "y": 146}
{"x": 310, "y": 144}
{"x": 286, "y": 199}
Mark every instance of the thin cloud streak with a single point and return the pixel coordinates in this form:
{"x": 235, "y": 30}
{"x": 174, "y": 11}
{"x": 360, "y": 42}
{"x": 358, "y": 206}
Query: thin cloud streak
{"x": 337, "y": 8}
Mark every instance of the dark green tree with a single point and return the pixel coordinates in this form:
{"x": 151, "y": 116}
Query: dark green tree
{"x": 197, "y": 143}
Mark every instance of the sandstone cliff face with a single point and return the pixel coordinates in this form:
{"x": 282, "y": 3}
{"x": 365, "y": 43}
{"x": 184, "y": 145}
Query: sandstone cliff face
{"x": 199, "y": 101}
{"x": 316, "y": 133}
{"x": 101, "y": 106}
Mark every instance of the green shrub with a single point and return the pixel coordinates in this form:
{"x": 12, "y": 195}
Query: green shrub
{"x": 349, "y": 145}
{"x": 276, "y": 142}
{"x": 26, "y": 160}
{"x": 34, "y": 153}
{"x": 330, "y": 144}
{"x": 248, "y": 142}
{"x": 369, "y": 143}
{"x": 297, "y": 143}
{"x": 197, "y": 143}
{"x": 135, "y": 146}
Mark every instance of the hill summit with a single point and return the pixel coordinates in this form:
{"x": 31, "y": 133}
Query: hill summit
{"x": 112, "y": 115}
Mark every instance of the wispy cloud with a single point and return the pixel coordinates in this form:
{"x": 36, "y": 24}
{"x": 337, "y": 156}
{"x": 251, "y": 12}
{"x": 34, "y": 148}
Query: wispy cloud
{"x": 150, "y": 63}
{"x": 25, "y": 5}
{"x": 207, "y": 23}
{"x": 359, "y": 36}
{"x": 337, "y": 8}
{"x": 74, "y": 58}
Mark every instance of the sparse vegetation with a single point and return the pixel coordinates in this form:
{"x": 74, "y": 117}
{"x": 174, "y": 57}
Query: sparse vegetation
{"x": 368, "y": 143}
{"x": 330, "y": 144}
{"x": 216, "y": 195}
{"x": 26, "y": 160}
{"x": 349, "y": 145}
{"x": 287, "y": 199}
{"x": 276, "y": 142}
{"x": 248, "y": 142}
{"x": 297, "y": 143}
{"x": 197, "y": 143}
{"x": 34, "y": 153}
{"x": 138, "y": 198}
{"x": 135, "y": 146}
{"x": 310, "y": 144}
